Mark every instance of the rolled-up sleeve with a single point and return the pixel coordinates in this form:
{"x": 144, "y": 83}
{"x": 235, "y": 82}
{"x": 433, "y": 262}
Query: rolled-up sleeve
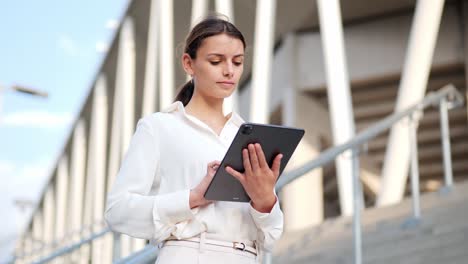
{"x": 129, "y": 208}
{"x": 269, "y": 226}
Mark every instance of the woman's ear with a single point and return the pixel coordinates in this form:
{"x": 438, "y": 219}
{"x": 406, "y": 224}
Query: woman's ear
{"x": 187, "y": 63}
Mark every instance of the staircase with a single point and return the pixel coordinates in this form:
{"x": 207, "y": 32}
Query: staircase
{"x": 440, "y": 237}
{"x": 375, "y": 100}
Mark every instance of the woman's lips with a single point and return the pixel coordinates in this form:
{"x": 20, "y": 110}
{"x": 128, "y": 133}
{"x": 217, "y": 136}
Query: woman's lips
{"x": 226, "y": 84}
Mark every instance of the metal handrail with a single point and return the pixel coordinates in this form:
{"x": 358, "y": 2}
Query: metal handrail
{"x": 448, "y": 91}
{"x": 145, "y": 255}
{"x": 72, "y": 247}
{"x": 446, "y": 97}
{"x": 440, "y": 97}
{"x": 54, "y": 243}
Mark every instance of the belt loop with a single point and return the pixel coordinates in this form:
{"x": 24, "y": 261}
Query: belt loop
{"x": 202, "y": 242}
{"x": 258, "y": 257}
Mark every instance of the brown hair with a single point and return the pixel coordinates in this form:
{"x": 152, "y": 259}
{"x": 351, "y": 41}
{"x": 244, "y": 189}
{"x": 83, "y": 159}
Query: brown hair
{"x": 210, "y": 26}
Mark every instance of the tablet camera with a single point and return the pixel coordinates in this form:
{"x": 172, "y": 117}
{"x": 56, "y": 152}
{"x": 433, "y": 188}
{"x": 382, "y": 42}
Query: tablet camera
{"x": 247, "y": 129}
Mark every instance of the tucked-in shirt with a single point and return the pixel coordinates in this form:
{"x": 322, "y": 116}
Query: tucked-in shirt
{"x": 167, "y": 157}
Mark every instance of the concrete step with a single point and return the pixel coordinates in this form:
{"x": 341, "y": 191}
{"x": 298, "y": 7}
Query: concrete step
{"x": 428, "y": 152}
{"x": 380, "y": 110}
{"x": 376, "y": 241}
{"x": 384, "y": 238}
{"x": 422, "y": 245}
{"x": 424, "y": 137}
{"x": 395, "y": 250}
{"x": 430, "y": 119}
{"x": 375, "y": 94}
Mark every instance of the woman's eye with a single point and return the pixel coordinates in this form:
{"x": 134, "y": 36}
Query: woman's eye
{"x": 214, "y": 62}
{"x": 237, "y": 63}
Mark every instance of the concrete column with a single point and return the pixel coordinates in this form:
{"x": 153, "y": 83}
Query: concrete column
{"x": 225, "y": 7}
{"x": 339, "y": 95}
{"x": 88, "y": 207}
{"x": 115, "y": 145}
{"x": 302, "y": 200}
{"x": 412, "y": 89}
{"x": 98, "y": 140}
{"x": 23, "y": 246}
{"x": 199, "y": 11}
{"x": 49, "y": 219}
{"x": 151, "y": 70}
{"x": 263, "y": 55}
{"x": 37, "y": 234}
{"x": 464, "y": 22}
{"x": 115, "y": 152}
{"x": 116, "y": 133}
{"x": 61, "y": 204}
{"x": 166, "y": 63}
{"x": 127, "y": 45}
{"x": 28, "y": 245}
{"x": 78, "y": 165}
{"x": 128, "y": 96}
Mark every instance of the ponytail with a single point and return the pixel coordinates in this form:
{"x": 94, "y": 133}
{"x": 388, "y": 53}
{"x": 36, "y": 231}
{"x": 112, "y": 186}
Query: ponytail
{"x": 185, "y": 93}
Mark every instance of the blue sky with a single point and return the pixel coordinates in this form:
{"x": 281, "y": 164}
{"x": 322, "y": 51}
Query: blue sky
{"x": 53, "y": 46}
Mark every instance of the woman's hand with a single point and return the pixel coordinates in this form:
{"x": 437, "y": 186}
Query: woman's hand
{"x": 258, "y": 179}
{"x": 196, "y": 194}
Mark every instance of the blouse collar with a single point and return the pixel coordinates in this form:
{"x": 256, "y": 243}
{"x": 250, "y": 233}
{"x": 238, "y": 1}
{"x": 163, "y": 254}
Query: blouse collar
{"x": 178, "y": 107}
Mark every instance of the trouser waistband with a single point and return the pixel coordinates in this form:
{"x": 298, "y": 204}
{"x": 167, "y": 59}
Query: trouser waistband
{"x": 203, "y": 243}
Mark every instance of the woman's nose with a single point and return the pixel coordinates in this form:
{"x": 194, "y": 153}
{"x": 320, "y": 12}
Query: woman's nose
{"x": 228, "y": 70}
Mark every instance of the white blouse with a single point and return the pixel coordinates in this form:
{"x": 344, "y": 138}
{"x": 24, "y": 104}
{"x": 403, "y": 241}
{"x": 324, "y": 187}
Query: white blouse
{"x": 168, "y": 155}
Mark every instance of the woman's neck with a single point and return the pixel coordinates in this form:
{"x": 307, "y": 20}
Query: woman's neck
{"x": 204, "y": 108}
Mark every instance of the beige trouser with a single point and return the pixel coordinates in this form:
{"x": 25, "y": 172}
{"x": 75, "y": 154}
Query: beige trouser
{"x": 203, "y": 252}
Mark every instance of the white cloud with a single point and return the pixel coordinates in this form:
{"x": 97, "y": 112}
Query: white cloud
{"x": 67, "y": 45}
{"x": 112, "y": 24}
{"x": 25, "y": 180}
{"x": 6, "y": 167}
{"x": 102, "y": 46}
{"x": 40, "y": 119}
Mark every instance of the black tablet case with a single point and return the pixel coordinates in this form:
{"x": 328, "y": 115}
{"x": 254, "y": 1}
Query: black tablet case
{"x": 273, "y": 139}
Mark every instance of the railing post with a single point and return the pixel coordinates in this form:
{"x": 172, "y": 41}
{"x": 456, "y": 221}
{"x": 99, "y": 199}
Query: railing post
{"x": 414, "y": 166}
{"x": 445, "y": 137}
{"x": 116, "y": 247}
{"x": 357, "y": 195}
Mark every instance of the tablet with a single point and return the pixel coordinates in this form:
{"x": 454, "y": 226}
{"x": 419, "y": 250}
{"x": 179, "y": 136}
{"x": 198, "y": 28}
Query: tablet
{"x": 273, "y": 139}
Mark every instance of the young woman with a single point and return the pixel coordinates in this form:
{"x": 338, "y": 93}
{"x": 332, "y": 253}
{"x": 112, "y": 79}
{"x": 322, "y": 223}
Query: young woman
{"x": 158, "y": 193}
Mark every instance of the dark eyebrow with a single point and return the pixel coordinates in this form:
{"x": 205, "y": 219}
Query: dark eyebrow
{"x": 222, "y": 55}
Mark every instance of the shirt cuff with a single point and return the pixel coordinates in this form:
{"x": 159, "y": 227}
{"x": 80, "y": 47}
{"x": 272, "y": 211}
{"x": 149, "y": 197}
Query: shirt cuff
{"x": 174, "y": 207}
{"x": 265, "y": 220}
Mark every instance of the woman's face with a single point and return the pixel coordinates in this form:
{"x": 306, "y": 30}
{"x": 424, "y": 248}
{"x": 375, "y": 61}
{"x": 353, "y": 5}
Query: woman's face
{"x": 218, "y": 66}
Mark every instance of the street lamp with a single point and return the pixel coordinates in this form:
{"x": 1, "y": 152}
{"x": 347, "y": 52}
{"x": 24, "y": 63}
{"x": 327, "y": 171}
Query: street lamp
{"x": 21, "y": 89}
{"x": 24, "y": 90}
{"x": 24, "y": 204}
{"x": 29, "y": 91}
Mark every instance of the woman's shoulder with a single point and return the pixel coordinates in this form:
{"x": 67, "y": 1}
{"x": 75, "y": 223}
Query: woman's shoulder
{"x": 155, "y": 120}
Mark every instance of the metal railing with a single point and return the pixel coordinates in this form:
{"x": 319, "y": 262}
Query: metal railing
{"x": 43, "y": 247}
{"x": 446, "y": 98}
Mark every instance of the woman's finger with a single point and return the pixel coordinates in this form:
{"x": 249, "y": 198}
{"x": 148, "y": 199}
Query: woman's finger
{"x": 276, "y": 164}
{"x": 253, "y": 157}
{"x": 239, "y": 176}
{"x": 246, "y": 161}
{"x": 213, "y": 166}
{"x": 213, "y": 163}
{"x": 261, "y": 156}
